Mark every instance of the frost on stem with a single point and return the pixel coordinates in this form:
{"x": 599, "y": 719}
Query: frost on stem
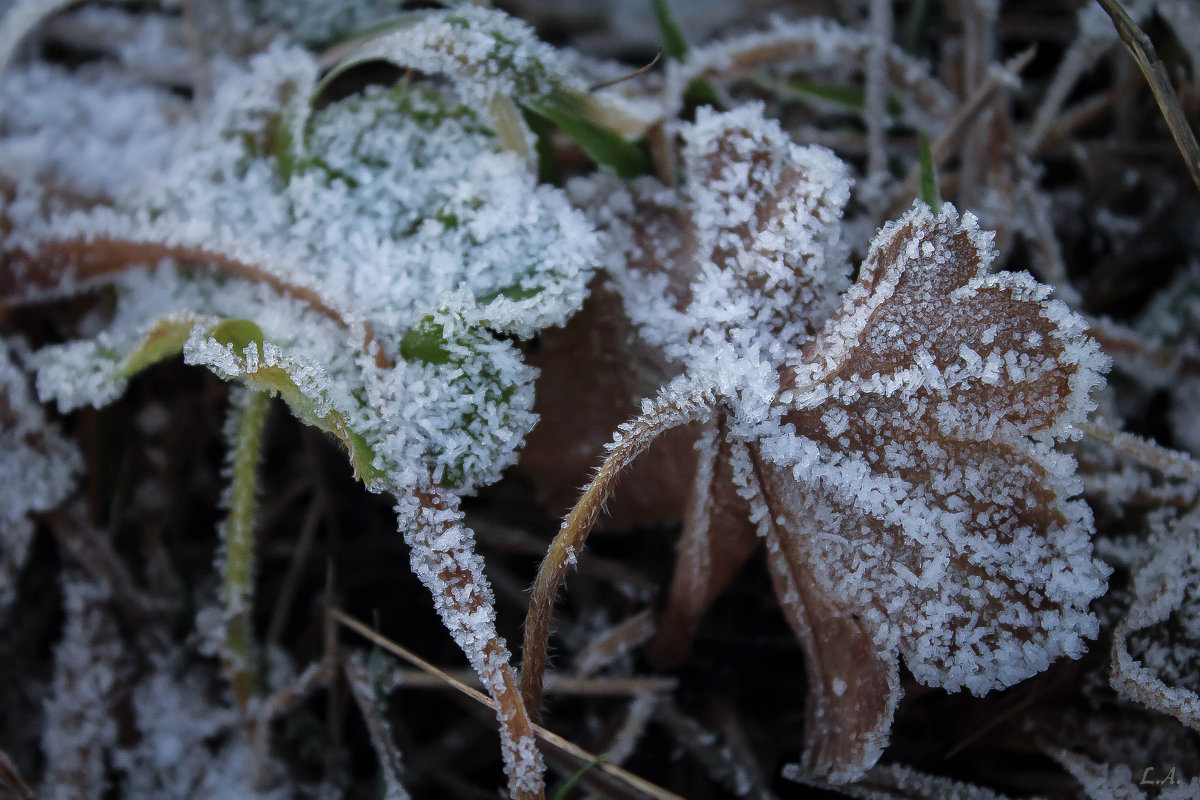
{"x": 1157, "y": 644}
{"x": 896, "y": 453}
{"x": 444, "y": 558}
{"x": 91, "y": 674}
{"x": 38, "y": 468}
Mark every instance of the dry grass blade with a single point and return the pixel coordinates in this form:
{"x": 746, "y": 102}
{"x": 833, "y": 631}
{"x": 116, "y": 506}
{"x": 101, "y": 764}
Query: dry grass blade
{"x": 582, "y": 756}
{"x": 358, "y": 678}
{"x": 1148, "y": 62}
{"x": 970, "y": 111}
{"x": 614, "y": 642}
{"x": 631, "y": 440}
{"x": 10, "y": 779}
{"x": 1171, "y": 463}
{"x": 634, "y": 685}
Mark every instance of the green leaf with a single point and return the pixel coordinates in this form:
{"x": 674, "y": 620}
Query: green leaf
{"x": 701, "y": 92}
{"x": 164, "y": 340}
{"x": 851, "y": 97}
{"x": 674, "y": 43}
{"x": 238, "y": 334}
{"x": 275, "y": 380}
{"x": 566, "y": 788}
{"x": 425, "y": 342}
{"x": 929, "y": 183}
{"x": 606, "y": 147}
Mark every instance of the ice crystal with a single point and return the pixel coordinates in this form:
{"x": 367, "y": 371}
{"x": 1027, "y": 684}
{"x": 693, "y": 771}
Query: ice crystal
{"x": 90, "y": 670}
{"x": 896, "y": 454}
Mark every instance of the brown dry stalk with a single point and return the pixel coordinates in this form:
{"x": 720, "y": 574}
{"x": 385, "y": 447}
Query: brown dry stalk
{"x": 1142, "y": 49}
{"x": 10, "y": 779}
{"x": 77, "y": 258}
{"x": 631, "y": 440}
{"x": 580, "y": 755}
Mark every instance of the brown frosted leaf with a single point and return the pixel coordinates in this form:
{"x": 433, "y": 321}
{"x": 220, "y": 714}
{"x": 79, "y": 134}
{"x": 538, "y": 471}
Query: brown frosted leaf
{"x": 594, "y": 371}
{"x": 853, "y": 683}
{"x": 717, "y": 540}
{"x": 899, "y": 464}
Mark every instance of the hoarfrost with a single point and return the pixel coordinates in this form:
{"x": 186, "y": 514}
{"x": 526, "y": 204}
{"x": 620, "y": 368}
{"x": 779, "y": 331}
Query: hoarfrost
{"x": 896, "y": 455}
{"x": 80, "y": 725}
{"x": 38, "y": 467}
{"x": 1157, "y": 646}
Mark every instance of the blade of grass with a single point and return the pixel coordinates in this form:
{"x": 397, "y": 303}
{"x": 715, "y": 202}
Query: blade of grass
{"x": 624, "y": 776}
{"x": 238, "y": 652}
{"x": 566, "y": 788}
{"x": 674, "y": 43}
{"x": 929, "y": 184}
{"x": 1148, "y": 62}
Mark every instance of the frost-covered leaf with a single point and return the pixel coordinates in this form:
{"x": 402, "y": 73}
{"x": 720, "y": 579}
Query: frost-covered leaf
{"x": 368, "y": 261}
{"x": 1156, "y": 646}
{"x": 489, "y": 56}
{"x": 899, "y": 463}
{"x": 110, "y": 130}
{"x": 818, "y": 49}
{"x": 899, "y": 782}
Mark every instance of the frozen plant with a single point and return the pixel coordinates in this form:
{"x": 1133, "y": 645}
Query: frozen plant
{"x": 369, "y": 261}
{"x": 893, "y": 444}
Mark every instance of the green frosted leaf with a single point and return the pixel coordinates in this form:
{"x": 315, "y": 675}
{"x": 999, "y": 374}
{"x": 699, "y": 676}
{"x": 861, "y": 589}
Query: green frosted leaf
{"x": 425, "y": 342}
{"x": 238, "y": 333}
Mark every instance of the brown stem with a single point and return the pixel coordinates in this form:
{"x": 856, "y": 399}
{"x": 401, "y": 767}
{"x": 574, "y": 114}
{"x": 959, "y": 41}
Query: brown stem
{"x": 631, "y": 440}
{"x": 59, "y": 260}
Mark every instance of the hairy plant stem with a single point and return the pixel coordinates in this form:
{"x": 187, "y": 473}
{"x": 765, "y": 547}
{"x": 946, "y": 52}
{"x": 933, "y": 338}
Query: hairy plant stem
{"x": 239, "y": 654}
{"x": 631, "y": 440}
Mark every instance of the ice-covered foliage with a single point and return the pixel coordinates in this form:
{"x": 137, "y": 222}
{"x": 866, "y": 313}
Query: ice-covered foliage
{"x": 370, "y": 244}
{"x": 183, "y": 745}
{"x": 38, "y": 467}
{"x": 896, "y": 454}
{"x": 369, "y": 260}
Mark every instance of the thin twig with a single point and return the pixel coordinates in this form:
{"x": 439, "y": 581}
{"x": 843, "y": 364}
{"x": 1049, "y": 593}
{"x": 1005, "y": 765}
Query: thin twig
{"x": 583, "y": 756}
{"x": 628, "y": 75}
{"x": 1142, "y": 49}
{"x": 571, "y": 685}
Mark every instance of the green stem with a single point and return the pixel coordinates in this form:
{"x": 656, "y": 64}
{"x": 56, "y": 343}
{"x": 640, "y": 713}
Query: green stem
{"x": 247, "y": 419}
